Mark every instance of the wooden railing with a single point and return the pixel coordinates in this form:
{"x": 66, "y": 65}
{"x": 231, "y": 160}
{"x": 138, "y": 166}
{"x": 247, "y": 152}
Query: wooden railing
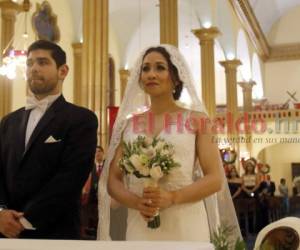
{"x": 265, "y": 115}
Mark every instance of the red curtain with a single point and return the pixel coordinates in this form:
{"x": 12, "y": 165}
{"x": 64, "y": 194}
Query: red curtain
{"x": 112, "y": 115}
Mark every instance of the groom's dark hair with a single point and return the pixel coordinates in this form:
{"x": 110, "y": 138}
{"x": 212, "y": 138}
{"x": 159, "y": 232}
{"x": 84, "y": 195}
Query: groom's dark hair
{"x": 57, "y": 53}
{"x": 178, "y": 84}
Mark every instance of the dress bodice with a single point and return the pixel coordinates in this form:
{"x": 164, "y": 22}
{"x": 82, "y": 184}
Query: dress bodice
{"x": 249, "y": 180}
{"x": 184, "y": 146}
{"x": 186, "y": 214}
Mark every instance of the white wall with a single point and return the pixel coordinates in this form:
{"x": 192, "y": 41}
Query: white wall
{"x": 280, "y": 157}
{"x": 286, "y": 29}
{"x": 281, "y": 77}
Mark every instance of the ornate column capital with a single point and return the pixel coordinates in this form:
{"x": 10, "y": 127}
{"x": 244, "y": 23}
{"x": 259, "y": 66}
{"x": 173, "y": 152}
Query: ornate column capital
{"x": 10, "y": 9}
{"x": 124, "y": 73}
{"x": 230, "y": 67}
{"x": 206, "y": 37}
{"x": 231, "y": 64}
{"x": 77, "y": 48}
{"x": 247, "y": 85}
{"x": 10, "y": 5}
{"x": 247, "y": 94}
{"x": 207, "y": 34}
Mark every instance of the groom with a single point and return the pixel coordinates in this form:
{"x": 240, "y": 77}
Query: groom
{"x": 46, "y": 153}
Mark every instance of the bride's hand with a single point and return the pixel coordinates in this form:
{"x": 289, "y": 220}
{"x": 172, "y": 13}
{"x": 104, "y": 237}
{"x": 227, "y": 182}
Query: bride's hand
{"x": 146, "y": 209}
{"x": 159, "y": 197}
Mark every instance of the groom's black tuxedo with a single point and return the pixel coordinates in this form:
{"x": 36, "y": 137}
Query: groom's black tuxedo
{"x": 44, "y": 180}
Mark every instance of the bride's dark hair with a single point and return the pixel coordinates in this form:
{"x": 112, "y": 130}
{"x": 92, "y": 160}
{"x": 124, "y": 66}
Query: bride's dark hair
{"x": 178, "y": 84}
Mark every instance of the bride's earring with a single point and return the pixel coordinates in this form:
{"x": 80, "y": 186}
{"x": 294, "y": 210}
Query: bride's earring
{"x": 174, "y": 88}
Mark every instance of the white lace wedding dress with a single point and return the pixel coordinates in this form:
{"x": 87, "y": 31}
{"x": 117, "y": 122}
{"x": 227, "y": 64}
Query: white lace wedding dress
{"x": 186, "y": 222}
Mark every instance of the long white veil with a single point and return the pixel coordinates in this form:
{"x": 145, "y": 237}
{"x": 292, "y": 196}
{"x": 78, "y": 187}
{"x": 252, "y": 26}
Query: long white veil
{"x": 219, "y": 207}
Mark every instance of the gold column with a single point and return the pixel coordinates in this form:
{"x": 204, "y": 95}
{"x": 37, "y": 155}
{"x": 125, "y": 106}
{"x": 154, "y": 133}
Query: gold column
{"x": 206, "y": 37}
{"x": 231, "y": 98}
{"x": 9, "y": 11}
{"x": 231, "y": 84}
{"x": 77, "y": 53}
{"x": 247, "y": 97}
{"x": 247, "y": 94}
{"x": 168, "y": 22}
{"x": 95, "y": 66}
{"x": 124, "y": 74}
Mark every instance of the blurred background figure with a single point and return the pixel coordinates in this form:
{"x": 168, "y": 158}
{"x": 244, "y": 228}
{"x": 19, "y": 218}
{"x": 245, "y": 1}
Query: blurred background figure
{"x": 234, "y": 182}
{"x": 89, "y": 200}
{"x": 284, "y": 192}
{"x": 267, "y": 187}
{"x": 266, "y": 191}
{"x": 250, "y": 188}
{"x": 296, "y": 187}
{"x": 250, "y": 180}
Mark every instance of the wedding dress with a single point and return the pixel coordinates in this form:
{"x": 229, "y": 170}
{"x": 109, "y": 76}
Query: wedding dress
{"x": 194, "y": 221}
{"x": 179, "y": 222}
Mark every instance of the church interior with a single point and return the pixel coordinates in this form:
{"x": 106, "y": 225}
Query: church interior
{"x": 244, "y": 56}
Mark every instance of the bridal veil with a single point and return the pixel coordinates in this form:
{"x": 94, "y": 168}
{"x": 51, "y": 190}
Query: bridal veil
{"x": 219, "y": 206}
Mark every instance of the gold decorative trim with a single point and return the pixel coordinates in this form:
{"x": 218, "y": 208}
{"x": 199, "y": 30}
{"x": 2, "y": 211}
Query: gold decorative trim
{"x": 7, "y": 4}
{"x": 231, "y": 64}
{"x": 285, "y": 52}
{"x": 205, "y": 34}
{"x": 268, "y": 53}
{"x": 246, "y": 15}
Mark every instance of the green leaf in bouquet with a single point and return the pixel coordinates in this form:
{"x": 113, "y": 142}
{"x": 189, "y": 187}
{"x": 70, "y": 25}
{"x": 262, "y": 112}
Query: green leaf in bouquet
{"x": 240, "y": 244}
{"x": 220, "y": 239}
{"x": 155, "y": 141}
{"x": 138, "y": 175}
{"x": 126, "y": 148}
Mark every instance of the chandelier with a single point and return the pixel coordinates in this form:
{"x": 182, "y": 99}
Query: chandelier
{"x": 10, "y": 63}
{"x": 15, "y": 58}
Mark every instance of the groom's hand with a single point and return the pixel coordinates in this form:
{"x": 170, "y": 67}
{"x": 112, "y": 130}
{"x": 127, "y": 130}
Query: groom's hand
{"x": 10, "y": 226}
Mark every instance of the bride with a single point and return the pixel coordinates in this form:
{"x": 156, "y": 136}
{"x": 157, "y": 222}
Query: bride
{"x": 190, "y": 198}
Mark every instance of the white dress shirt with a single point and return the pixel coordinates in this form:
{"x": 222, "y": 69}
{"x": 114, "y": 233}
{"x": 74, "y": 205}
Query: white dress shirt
{"x": 39, "y": 108}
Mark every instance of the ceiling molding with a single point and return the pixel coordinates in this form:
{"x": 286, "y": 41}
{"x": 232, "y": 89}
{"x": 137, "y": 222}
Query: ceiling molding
{"x": 248, "y": 19}
{"x": 282, "y": 52}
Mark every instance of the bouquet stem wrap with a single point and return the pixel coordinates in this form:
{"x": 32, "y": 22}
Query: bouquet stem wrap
{"x": 155, "y": 221}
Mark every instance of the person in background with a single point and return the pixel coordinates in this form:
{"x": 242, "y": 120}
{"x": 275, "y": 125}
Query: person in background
{"x": 296, "y": 187}
{"x": 234, "y": 183}
{"x": 47, "y": 150}
{"x": 250, "y": 180}
{"x": 266, "y": 191}
{"x": 267, "y": 187}
{"x": 89, "y": 198}
{"x": 250, "y": 187}
{"x": 284, "y": 192}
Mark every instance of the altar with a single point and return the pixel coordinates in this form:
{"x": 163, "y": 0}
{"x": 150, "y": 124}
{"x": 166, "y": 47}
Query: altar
{"x": 16, "y": 244}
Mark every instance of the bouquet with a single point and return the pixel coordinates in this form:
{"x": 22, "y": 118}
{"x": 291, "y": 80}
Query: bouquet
{"x": 150, "y": 159}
